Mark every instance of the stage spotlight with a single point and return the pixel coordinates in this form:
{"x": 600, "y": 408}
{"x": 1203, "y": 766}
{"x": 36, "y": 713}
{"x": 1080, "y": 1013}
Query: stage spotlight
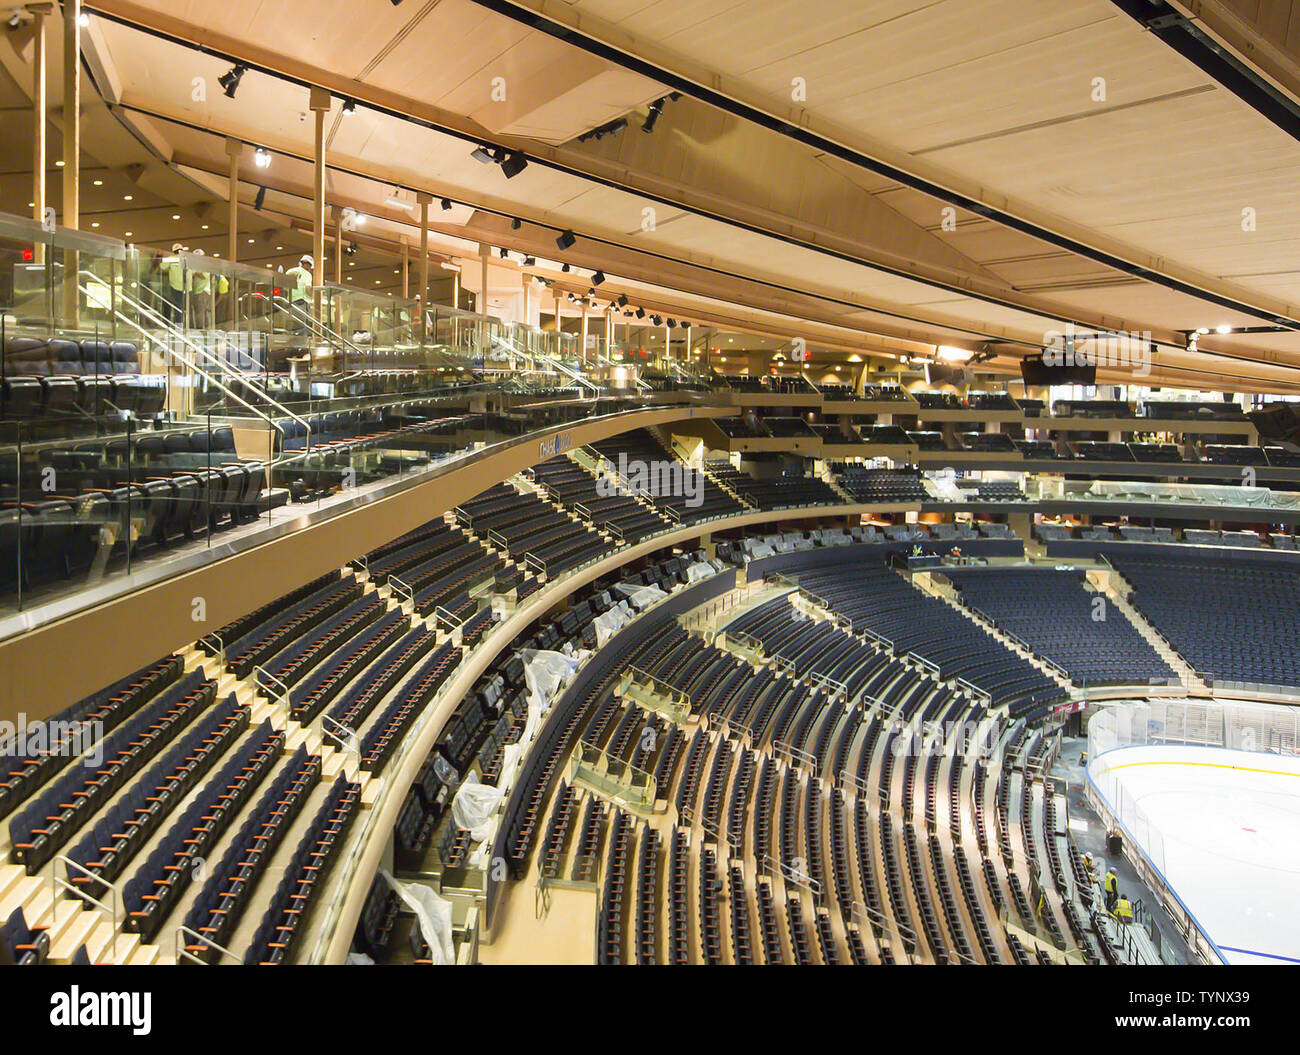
{"x": 349, "y": 106}
{"x": 564, "y": 268}
{"x": 505, "y": 254}
{"x": 622, "y": 300}
{"x": 566, "y": 239}
{"x": 672, "y": 324}
{"x": 230, "y": 81}
{"x": 515, "y": 224}
{"x": 597, "y": 277}
{"x": 262, "y": 158}
{"x": 640, "y": 313}
{"x": 530, "y": 261}
{"x": 513, "y": 165}
{"x": 446, "y": 205}
{"x": 482, "y": 155}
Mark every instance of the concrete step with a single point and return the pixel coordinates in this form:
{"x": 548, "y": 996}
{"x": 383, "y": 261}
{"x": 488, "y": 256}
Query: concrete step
{"x": 145, "y": 955}
{"x": 9, "y": 875}
{"x": 80, "y": 926}
{"x": 19, "y": 894}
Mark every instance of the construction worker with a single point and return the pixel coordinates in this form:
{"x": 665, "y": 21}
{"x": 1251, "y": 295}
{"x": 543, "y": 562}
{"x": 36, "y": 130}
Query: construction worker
{"x": 1111, "y": 887}
{"x": 1124, "y": 910}
{"x": 299, "y": 290}
{"x": 1089, "y": 867}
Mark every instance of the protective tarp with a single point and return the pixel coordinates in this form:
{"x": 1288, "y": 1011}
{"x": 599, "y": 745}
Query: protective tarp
{"x": 474, "y": 807}
{"x": 544, "y": 671}
{"x": 761, "y": 550}
{"x": 945, "y": 486}
{"x": 432, "y": 913}
{"x": 641, "y": 596}
{"x": 358, "y": 958}
{"x": 609, "y": 623}
{"x": 701, "y": 569}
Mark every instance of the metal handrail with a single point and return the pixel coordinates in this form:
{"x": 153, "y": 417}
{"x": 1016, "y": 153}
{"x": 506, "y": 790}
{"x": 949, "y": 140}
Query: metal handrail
{"x": 57, "y": 882}
{"x": 174, "y": 331}
{"x": 181, "y": 951}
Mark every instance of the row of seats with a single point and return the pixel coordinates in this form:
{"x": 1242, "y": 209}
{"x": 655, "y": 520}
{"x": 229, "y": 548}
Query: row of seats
{"x": 1052, "y": 612}
{"x": 1229, "y": 621}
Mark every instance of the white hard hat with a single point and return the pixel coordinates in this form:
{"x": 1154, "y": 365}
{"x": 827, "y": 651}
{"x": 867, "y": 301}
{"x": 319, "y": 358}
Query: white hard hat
{"x": 306, "y": 259}
{"x": 177, "y": 247}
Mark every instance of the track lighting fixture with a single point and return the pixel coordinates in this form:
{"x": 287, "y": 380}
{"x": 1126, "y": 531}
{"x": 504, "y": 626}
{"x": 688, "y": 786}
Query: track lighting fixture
{"x": 260, "y": 199}
{"x": 515, "y": 224}
{"x": 229, "y": 81}
{"x": 597, "y": 277}
{"x": 446, "y": 205}
{"x": 565, "y": 241}
{"x": 513, "y": 165}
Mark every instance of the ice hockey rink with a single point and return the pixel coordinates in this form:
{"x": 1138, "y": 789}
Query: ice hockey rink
{"x": 1224, "y": 828}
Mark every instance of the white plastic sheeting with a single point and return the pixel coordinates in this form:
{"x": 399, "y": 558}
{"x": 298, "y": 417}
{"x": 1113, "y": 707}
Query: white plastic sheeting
{"x": 475, "y": 805}
{"x": 432, "y": 913}
{"x": 701, "y": 569}
{"x": 609, "y": 623}
{"x": 641, "y": 596}
{"x": 544, "y": 672}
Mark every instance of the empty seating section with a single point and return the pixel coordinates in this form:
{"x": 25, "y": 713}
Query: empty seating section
{"x": 1058, "y": 617}
{"x": 531, "y": 530}
{"x": 62, "y": 382}
{"x": 639, "y": 448}
{"x": 785, "y": 491}
{"x": 623, "y": 516}
{"x": 872, "y": 596}
{"x": 880, "y": 485}
{"x": 1229, "y": 621}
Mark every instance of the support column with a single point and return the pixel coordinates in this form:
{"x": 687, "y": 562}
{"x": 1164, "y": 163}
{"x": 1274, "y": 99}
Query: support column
{"x": 422, "y": 295}
{"x": 72, "y": 113}
{"x": 233, "y": 149}
{"x": 528, "y": 298}
{"x": 71, "y": 153}
{"x": 320, "y": 104}
{"x": 406, "y": 271}
{"x": 484, "y": 255}
{"x": 338, "y": 244}
{"x": 582, "y": 348}
{"x": 39, "y": 11}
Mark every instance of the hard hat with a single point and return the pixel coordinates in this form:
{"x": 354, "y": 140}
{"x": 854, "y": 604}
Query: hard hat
{"x": 306, "y": 259}
{"x": 177, "y": 247}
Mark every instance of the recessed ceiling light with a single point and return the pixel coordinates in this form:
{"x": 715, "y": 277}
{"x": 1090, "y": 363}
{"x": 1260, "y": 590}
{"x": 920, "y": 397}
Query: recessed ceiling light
{"x": 99, "y": 183}
{"x": 95, "y": 224}
{"x": 128, "y": 197}
{"x": 58, "y": 164}
{"x": 176, "y": 216}
{"x": 127, "y": 234}
{"x": 279, "y": 248}
{"x": 203, "y": 226}
{"x": 250, "y": 241}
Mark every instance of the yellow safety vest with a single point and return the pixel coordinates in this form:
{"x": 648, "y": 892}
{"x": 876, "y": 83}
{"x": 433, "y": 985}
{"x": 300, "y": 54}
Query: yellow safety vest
{"x": 1124, "y": 910}
{"x": 1111, "y": 880}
